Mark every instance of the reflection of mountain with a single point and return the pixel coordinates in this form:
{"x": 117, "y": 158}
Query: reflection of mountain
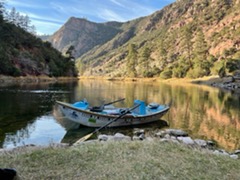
{"x": 203, "y": 111}
{"x": 208, "y": 113}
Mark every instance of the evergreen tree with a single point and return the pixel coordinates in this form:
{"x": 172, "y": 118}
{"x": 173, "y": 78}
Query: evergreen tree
{"x": 11, "y": 16}
{"x": 22, "y": 21}
{"x": 1, "y": 11}
{"x": 187, "y": 43}
{"x": 70, "y": 52}
{"x": 201, "y": 65}
{"x": 81, "y": 67}
{"x": 200, "y": 46}
{"x": 144, "y": 66}
{"x": 132, "y": 60}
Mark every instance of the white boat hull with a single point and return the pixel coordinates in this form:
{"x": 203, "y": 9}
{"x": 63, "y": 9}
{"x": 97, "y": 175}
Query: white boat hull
{"x": 96, "y": 119}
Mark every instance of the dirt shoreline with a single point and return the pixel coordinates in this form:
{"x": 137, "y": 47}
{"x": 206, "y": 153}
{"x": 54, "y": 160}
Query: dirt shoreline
{"x": 9, "y": 80}
{"x": 226, "y": 83}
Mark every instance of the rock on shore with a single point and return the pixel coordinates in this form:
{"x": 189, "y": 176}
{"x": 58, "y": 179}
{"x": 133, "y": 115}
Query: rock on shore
{"x": 171, "y": 136}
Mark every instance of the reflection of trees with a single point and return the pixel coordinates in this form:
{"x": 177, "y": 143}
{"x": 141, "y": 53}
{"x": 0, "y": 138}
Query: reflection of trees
{"x": 16, "y": 138}
{"x": 202, "y": 111}
{"x": 210, "y": 114}
{"x": 20, "y": 105}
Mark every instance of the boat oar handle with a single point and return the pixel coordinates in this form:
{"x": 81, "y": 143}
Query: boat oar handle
{"x": 114, "y": 101}
{"x": 120, "y": 116}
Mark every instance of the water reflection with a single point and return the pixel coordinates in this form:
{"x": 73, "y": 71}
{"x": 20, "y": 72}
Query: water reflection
{"x": 204, "y": 112}
{"x": 43, "y": 131}
{"x": 22, "y": 107}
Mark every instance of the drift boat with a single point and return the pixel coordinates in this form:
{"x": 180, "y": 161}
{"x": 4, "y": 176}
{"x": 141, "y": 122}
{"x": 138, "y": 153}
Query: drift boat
{"x": 80, "y": 112}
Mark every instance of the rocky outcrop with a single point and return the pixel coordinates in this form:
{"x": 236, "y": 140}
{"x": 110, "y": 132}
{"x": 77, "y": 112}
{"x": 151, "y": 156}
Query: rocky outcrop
{"x": 231, "y": 83}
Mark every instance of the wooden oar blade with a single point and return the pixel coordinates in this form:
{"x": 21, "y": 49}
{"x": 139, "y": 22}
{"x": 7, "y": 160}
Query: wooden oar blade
{"x": 84, "y": 138}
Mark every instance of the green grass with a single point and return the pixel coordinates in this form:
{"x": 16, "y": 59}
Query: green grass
{"x": 121, "y": 160}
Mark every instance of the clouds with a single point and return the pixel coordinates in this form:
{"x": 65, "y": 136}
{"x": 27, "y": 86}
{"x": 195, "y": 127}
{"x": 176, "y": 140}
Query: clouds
{"x": 49, "y": 16}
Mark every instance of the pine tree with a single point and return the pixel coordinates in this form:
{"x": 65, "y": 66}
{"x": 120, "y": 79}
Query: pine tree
{"x": 145, "y": 57}
{"x": 70, "y": 52}
{"x": 132, "y": 60}
{"x": 187, "y": 43}
{"x": 1, "y": 11}
{"x": 201, "y": 63}
{"x": 200, "y": 46}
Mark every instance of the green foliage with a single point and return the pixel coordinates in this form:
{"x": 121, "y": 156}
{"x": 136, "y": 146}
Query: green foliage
{"x": 132, "y": 60}
{"x": 19, "y": 48}
{"x": 166, "y": 74}
{"x": 81, "y": 66}
{"x": 184, "y": 39}
{"x": 19, "y": 20}
{"x": 232, "y": 65}
{"x": 144, "y": 62}
{"x": 222, "y": 72}
{"x": 1, "y": 11}
{"x": 216, "y": 67}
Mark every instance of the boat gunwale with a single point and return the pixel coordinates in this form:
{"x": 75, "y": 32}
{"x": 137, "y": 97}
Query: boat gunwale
{"x": 112, "y": 116}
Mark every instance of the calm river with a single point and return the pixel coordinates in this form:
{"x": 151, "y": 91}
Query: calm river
{"x": 26, "y": 111}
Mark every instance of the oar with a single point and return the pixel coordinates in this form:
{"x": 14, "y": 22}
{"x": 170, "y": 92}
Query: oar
{"x": 84, "y": 138}
{"x": 100, "y": 108}
{"x": 114, "y": 101}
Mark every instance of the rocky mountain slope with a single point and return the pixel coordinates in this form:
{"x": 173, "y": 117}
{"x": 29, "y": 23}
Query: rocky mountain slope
{"x": 83, "y": 35}
{"x": 190, "y": 38}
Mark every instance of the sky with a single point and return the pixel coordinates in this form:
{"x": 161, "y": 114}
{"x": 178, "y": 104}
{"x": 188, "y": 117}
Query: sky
{"x": 49, "y": 15}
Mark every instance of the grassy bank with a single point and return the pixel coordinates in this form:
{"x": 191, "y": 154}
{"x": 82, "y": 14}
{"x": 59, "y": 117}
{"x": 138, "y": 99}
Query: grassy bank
{"x": 121, "y": 160}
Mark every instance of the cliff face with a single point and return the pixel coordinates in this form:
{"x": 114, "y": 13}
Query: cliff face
{"x": 184, "y": 38}
{"x": 83, "y": 35}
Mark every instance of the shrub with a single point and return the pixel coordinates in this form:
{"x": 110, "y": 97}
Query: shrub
{"x": 166, "y": 74}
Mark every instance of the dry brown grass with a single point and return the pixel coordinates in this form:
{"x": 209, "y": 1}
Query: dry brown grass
{"x": 122, "y": 160}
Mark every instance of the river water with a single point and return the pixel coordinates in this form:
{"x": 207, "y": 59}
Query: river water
{"x": 26, "y": 111}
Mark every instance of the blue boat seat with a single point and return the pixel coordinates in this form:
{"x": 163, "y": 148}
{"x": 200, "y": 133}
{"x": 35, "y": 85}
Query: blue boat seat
{"x": 81, "y": 104}
{"x": 141, "y": 110}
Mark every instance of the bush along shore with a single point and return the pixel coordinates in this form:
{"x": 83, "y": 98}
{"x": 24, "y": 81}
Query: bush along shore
{"x": 170, "y": 154}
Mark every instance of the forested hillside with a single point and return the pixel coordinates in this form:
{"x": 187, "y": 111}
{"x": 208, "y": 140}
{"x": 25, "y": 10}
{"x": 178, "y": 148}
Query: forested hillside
{"x": 189, "y": 38}
{"x": 22, "y": 53}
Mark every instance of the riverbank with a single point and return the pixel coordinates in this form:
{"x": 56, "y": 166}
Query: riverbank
{"x": 37, "y": 79}
{"x": 227, "y": 83}
{"x": 9, "y": 80}
{"x": 120, "y": 160}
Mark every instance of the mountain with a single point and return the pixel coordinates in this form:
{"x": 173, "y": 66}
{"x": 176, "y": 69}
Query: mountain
{"x": 83, "y": 35}
{"x": 192, "y": 38}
